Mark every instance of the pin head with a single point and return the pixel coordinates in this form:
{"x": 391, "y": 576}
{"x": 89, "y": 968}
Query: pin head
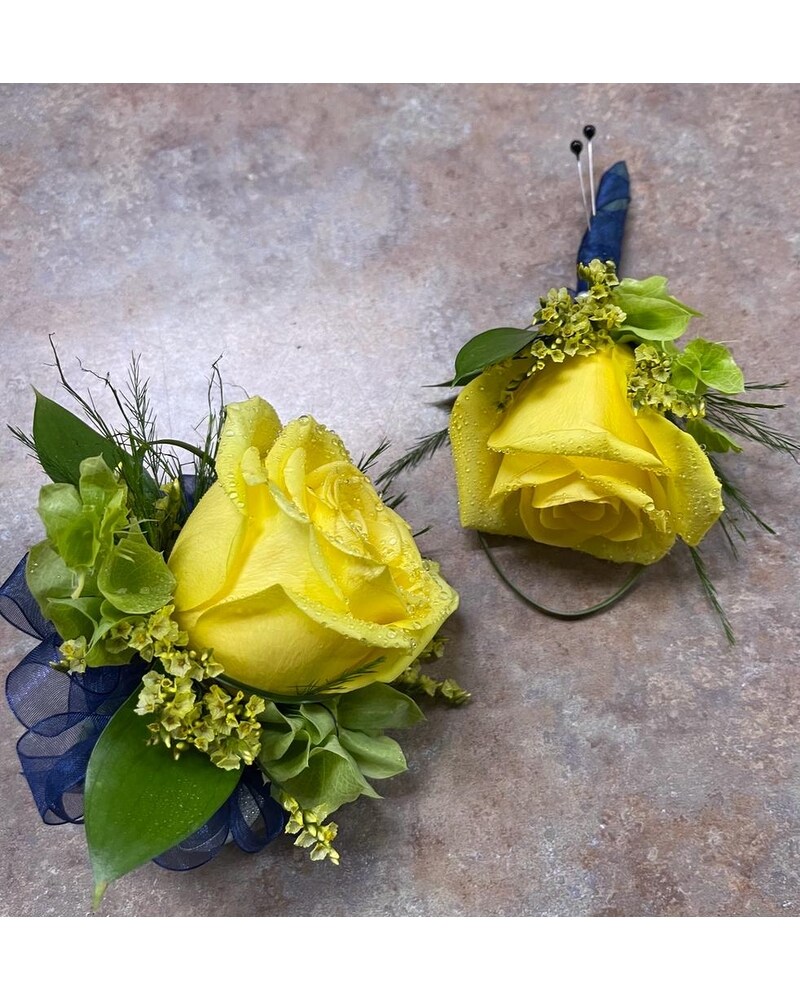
{"x": 589, "y": 132}
{"x": 576, "y": 146}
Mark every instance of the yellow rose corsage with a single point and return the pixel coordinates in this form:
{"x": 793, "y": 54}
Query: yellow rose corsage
{"x": 224, "y": 645}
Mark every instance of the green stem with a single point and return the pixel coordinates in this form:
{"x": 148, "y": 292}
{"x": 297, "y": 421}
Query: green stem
{"x": 202, "y": 455}
{"x": 563, "y": 615}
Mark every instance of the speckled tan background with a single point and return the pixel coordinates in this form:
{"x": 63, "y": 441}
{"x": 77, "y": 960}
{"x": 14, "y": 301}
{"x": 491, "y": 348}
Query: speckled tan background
{"x": 337, "y": 245}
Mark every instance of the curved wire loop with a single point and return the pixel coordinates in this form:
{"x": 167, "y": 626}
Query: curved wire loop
{"x": 607, "y": 602}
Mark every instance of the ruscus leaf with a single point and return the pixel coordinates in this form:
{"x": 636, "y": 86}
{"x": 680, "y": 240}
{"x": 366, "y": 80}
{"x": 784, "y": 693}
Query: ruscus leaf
{"x": 487, "y": 349}
{"x": 63, "y": 441}
{"x": 140, "y": 801}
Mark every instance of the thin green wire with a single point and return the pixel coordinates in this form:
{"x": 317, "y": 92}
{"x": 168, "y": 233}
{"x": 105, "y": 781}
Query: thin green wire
{"x": 562, "y": 615}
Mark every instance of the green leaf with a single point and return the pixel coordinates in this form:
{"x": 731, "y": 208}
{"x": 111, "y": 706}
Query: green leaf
{"x": 378, "y": 706}
{"x": 63, "y": 441}
{"x": 376, "y": 756}
{"x": 487, "y": 349}
{"x": 651, "y": 313}
{"x": 718, "y": 370}
{"x": 709, "y": 437}
{"x": 140, "y": 801}
{"x": 135, "y": 578}
{"x": 331, "y": 779}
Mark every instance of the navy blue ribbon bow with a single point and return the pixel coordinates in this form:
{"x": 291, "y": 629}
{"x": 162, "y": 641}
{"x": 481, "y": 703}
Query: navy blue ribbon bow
{"x": 64, "y": 715}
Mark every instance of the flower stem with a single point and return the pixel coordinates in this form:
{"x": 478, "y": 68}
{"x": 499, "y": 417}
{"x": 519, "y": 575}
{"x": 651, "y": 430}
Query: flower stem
{"x": 607, "y": 602}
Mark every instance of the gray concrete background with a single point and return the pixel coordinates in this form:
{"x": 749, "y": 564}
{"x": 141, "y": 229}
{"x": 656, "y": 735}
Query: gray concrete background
{"x": 337, "y": 245}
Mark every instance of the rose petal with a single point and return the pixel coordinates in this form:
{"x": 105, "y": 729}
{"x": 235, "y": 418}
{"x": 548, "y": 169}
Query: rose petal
{"x": 475, "y": 416}
{"x": 307, "y": 576}
{"x": 200, "y": 557}
{"x": 579, "y": 408}
{"x": 694, "y": 494}
{"x": 285, "y": 643}
{"x": 253, "y": 424}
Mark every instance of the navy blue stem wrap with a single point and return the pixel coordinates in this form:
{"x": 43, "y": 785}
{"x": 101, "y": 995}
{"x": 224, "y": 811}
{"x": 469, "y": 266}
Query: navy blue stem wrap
{"x": 603, "y": 240}
{"x": 64, "y": 715}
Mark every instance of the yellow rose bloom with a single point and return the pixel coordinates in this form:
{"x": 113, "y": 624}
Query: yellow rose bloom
{"x": 568, "y": 462}
{"x": 292, "y": 569}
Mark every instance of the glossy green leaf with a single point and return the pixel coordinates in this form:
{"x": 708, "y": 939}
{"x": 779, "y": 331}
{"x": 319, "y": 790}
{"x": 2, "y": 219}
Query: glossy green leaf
{"x": 376, "y": 756}
{"x": 140, "y": 801}
{"x": 487, "y": 349}
{"x": 63, "y": 441}
{"x": 378, "y": 706}
{"x": 709, "y": 437}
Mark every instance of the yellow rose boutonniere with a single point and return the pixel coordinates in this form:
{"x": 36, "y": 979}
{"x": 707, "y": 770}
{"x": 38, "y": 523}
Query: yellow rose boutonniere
{"x": 591, "y": 428}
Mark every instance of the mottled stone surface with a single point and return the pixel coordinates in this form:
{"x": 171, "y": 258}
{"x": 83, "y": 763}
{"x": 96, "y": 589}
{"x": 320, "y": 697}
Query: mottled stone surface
{"x": 337, "y": 245}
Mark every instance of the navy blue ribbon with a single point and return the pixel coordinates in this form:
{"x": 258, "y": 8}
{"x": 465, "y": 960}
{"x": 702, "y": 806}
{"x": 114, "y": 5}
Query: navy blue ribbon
{"x": 65, "y": 714}
{"x": 603, "y": 240}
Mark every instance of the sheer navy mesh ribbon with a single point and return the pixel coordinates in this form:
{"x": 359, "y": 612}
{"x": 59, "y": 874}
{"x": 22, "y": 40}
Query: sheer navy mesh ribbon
{"x": 603, "y": 240}
{"x": 65, "y": 714}
{"x": 250, "y": 816}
